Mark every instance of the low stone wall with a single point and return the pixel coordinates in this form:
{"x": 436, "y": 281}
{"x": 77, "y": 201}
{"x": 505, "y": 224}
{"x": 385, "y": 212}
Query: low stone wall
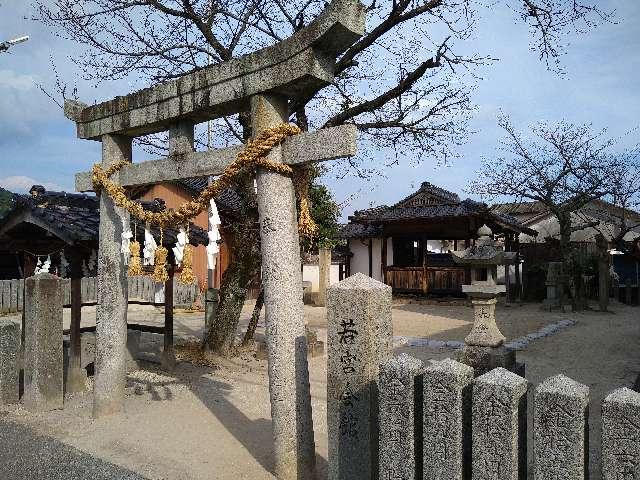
{"x": 478, "y": 428}
{"x": 398, "y": 419}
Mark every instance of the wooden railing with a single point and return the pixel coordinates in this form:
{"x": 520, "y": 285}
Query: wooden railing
{"x": 425, "y": 280}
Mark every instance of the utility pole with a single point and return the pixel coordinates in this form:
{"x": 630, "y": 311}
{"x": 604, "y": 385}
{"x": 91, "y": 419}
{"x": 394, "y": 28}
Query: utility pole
{"x": 4, "y": 46}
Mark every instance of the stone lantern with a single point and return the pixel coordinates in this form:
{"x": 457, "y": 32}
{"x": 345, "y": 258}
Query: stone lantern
{"x": 484, "y": 349}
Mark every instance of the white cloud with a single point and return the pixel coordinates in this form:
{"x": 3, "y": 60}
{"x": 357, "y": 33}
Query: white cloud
{"x": 21, "y": 183}
{"x": 18, "y": 81}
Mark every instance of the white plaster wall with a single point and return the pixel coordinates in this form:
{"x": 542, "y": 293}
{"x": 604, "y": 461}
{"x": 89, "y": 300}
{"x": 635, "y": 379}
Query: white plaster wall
{"x": 549, "y": 227}
{"x": 334, "y": 274}
{"x": 360, "y": 259}
{"x": 311, "y": 273}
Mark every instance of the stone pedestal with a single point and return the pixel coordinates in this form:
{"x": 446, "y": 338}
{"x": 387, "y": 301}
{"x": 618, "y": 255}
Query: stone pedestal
{"x": 43, "y": 359}
{"x": 484, "y": 348}
{"x": 447, "y": 421}
{"x": 485, "y": 359}
{"x": 9, "y": 369}
{"x": 499, "y": 426}
{"x": 561, "y": 437}
{"x": 399, "y": 414}
{"x": 485, "y": 332}
{"x": 621, "y": 435}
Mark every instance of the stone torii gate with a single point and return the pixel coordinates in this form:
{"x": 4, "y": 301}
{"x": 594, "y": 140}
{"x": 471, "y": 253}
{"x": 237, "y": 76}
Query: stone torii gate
{"x": 262, "y": 83}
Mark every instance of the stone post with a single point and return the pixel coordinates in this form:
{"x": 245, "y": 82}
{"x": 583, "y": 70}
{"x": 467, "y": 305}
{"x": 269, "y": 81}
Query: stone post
{"x": 621, "y": 435}
{"x": 180, "y": 138}
{"x": 9, "y": 369}
{"x": 359, "y": 336}
{"x": 561, "y": 427}
{"x": 499, "y": 426}
{"x": 447, "y": 421}
{"x": 400, "y": 418}
{"x": 111, "y": 310}
{"x": 43, "y": 356}
{"x": 289, "y": 389}
{"x": 553, "y": 284}
{"x": 324, "y": 275}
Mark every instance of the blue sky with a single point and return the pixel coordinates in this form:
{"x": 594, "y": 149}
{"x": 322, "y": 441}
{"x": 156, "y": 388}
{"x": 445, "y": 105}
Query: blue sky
{"x": 601, "y": 86}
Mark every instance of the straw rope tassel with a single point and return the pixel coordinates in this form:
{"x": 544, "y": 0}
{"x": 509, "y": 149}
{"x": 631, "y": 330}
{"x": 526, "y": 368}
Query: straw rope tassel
{"x": 135, "y": 263}
{"x": 306, "y": 226}
{"x": 160, "y": 274}
{"x": 186, "y": 275}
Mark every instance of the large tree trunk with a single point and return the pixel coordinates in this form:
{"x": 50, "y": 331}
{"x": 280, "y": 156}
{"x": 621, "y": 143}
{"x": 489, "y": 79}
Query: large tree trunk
{"x": 244, "y": 266}
{"x": 253, "y": 323}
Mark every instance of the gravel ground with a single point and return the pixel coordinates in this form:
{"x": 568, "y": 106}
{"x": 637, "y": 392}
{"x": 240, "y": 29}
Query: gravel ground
{"x": 214, "y": 423}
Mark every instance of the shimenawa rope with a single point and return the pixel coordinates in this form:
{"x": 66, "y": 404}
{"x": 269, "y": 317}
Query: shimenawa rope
{"x": 251, "y": 157}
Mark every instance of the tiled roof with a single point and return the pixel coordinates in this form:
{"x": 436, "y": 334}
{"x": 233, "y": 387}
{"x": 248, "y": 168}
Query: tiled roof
{"x": 359, "y": 230}
{"x": 445, "y": 196}
{"x": 78, "y": 217}
{"x": 367, "y": 223}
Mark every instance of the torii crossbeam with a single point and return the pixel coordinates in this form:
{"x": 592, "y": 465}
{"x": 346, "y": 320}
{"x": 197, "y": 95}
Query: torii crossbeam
{"x": 263, "y": 83}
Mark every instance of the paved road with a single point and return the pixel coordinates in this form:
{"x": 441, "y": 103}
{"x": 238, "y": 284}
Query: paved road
{"x": 29, "y": 456}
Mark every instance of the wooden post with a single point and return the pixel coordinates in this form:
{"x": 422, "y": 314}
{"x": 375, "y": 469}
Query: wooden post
{"x": 76, "y": 375}
{"x": 168, "y": 356}
{"x": 324, "y": 275}
{"x": 467, "y": 270}
{"x": 507, "y": 269}
{"x": 371, "y": 257}
{"x": 425, "y": 280}
{"x": 519, "y": 296}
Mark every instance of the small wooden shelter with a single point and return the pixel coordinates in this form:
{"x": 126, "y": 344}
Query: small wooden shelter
{"x": 407, "y": 245}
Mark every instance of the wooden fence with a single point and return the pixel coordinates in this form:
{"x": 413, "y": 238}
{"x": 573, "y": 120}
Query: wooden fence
{"x": 425, "y": 280}
{"x": 142, "y": 290}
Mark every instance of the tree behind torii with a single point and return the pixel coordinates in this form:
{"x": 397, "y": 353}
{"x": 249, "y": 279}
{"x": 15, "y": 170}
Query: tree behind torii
{"x": 564, "y": 167}
{"x": 397, "y": 83}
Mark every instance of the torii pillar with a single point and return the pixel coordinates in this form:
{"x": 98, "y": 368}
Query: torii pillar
{"x": 284, "y": 309}
{"x": 112, "y": 291}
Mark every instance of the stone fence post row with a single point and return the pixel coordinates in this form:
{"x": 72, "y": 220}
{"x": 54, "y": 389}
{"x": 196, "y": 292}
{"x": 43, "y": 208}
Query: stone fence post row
{"x": 397, "y": 419}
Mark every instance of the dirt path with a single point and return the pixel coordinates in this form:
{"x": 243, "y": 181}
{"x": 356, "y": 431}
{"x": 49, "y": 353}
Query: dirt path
{"x": 202, "y": 423}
